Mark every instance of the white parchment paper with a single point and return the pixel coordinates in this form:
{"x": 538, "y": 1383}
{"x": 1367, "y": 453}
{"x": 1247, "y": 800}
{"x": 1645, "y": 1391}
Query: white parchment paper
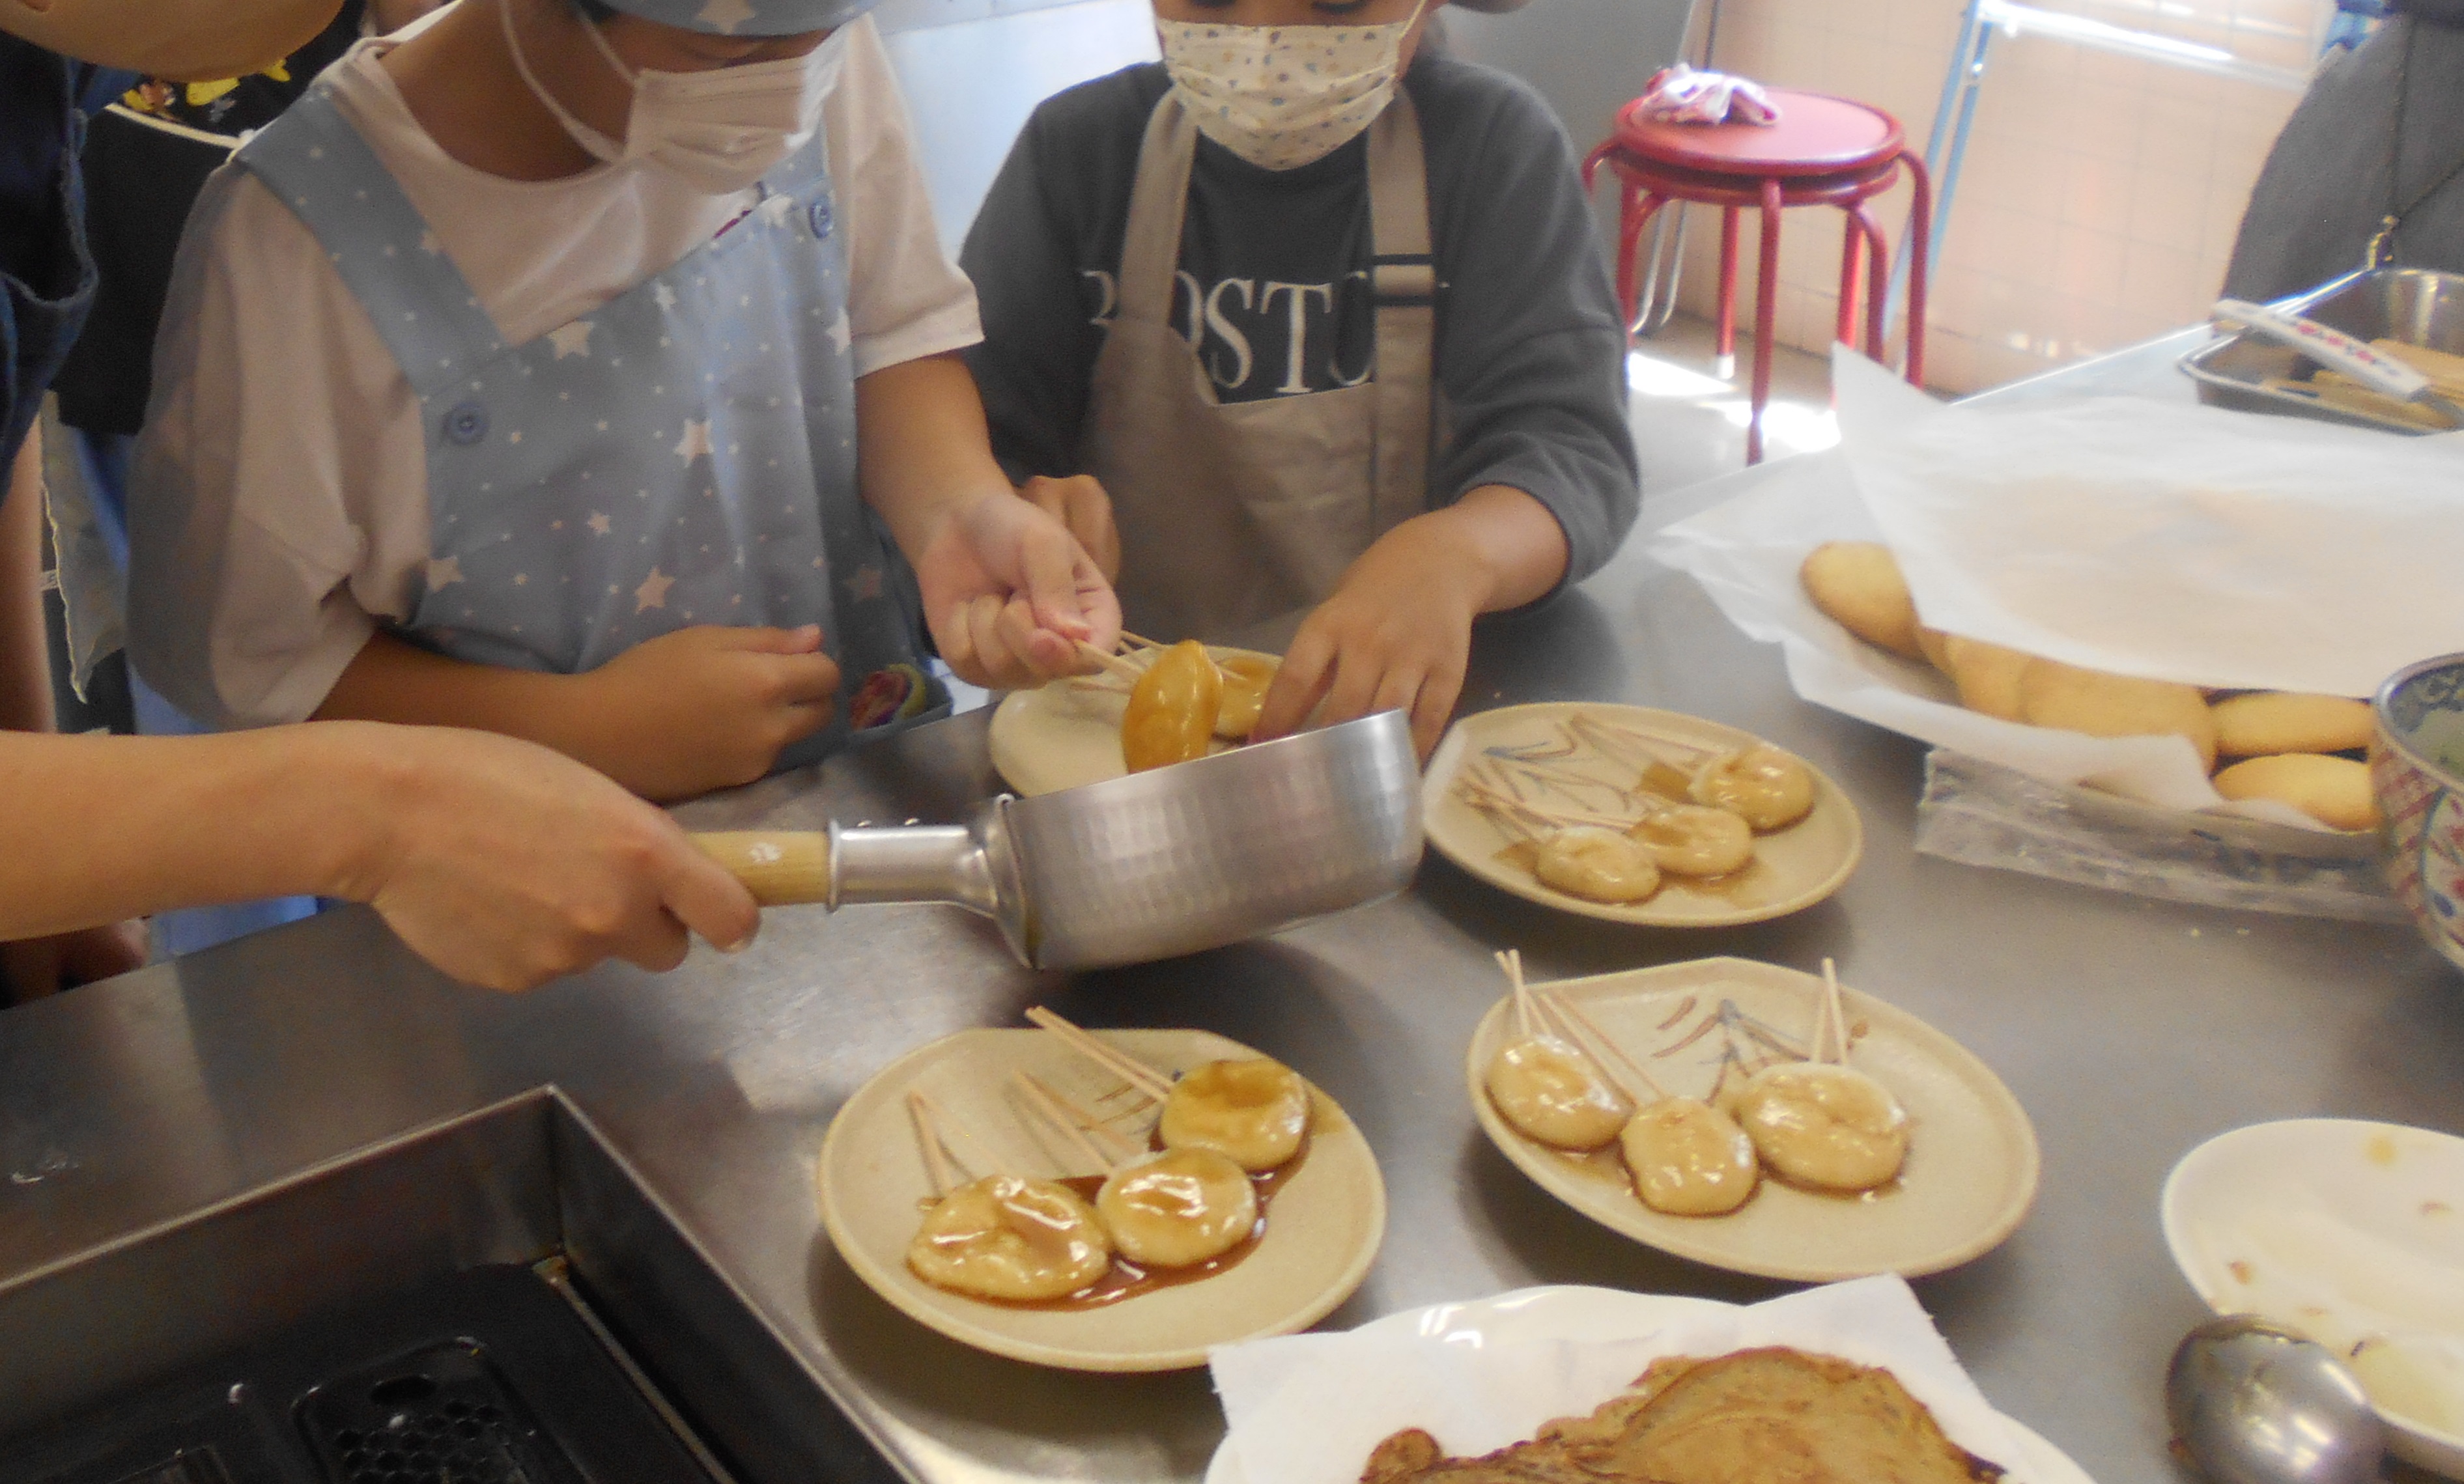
{"x": 1746, "y": 553}
{"x": 2230, "y": 549}
{"x": 1308, "y": 1409}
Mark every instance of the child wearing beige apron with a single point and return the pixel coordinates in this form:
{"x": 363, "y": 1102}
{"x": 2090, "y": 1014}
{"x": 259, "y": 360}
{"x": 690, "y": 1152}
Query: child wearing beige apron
{"x": 1330, "y": 337}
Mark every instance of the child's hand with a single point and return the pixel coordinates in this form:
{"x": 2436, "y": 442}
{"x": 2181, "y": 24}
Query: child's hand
{"x": 1085, "y": 511}
{"x": 1010, "y": 594}
{"x": 708, "y": 707}
{"x": 1397, "y": 634}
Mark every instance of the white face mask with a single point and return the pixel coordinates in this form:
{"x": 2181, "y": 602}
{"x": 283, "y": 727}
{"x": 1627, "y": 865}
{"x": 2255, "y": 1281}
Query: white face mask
{"x": 722, "y": 129}
{"x": 1282, "y": 96}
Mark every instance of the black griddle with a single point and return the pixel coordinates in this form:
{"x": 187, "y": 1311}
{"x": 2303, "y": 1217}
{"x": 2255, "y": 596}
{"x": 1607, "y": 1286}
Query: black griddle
{"x": 490, "y": 1375}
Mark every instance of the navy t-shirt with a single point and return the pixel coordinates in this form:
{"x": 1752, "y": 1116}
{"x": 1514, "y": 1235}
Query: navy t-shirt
{"x": 45, "y": 274}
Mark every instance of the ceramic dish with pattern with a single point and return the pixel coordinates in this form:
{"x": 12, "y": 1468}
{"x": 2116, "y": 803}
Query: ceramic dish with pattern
{"x": 1322, "y": 1228}
{"x": 1591, "y": 1316}
{"x": 2352, "y": 1232}
{"x": 1792, "y": 869}
{"x": 1068, "y": 733}
{"x": 1972, "y": 1161}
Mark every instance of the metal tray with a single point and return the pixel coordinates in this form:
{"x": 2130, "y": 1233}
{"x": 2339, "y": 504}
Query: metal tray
{"x": 2413, "y": 305}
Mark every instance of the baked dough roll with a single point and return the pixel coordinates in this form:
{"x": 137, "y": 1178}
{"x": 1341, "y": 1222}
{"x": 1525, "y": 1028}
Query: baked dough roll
{"x": 1858, "y": 584}
{"x": 2334, "y": 791}
{"x": 1987, "y": 675}
{"x": 2065, "y": 696}
{"x": 2266, "y": 722}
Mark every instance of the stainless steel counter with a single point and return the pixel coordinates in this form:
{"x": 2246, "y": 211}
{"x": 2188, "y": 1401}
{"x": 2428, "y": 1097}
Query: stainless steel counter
{"x": 2131, "y": 1030}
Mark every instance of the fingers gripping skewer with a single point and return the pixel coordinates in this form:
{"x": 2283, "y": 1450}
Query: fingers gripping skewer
{"x": 1145, "y": 1078}
{"x": 1111, "y": 663}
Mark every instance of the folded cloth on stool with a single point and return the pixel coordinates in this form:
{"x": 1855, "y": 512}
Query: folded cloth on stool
{"x": 1680, "y": 94}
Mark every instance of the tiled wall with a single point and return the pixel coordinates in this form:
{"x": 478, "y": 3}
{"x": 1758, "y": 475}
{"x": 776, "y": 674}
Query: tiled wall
{"x": 2101, "y": 194}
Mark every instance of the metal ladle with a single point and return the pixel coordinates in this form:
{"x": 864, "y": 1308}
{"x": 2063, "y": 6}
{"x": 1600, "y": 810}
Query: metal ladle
{"x": 2253, "y": 1402}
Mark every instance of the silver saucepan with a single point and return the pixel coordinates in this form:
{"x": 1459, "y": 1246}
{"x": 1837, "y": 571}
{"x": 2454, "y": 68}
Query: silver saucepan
{"x": 1136, "y": 868}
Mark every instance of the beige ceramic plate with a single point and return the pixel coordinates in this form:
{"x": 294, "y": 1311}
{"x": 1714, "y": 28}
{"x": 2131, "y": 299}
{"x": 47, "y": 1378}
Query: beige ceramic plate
{"x": 1973, "y": 1162}
{"x": 1064, "y": 735}
{"x": 1794, "y": 868}
{"x": 1322, "y": 1229}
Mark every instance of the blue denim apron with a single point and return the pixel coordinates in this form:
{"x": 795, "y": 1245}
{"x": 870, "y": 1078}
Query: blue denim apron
{"x": 684, "y": 454}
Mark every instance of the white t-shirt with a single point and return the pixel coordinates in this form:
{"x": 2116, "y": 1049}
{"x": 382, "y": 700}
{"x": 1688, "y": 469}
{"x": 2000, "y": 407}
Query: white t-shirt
{"x": 278, "y": 503}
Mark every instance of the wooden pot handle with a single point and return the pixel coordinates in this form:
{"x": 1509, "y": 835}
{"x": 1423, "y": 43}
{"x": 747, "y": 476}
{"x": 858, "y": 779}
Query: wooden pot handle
{"x": 779, "y": 867}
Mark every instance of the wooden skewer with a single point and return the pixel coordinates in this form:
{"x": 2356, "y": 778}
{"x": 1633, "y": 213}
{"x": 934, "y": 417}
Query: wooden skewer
{"x": 1094, "y": 1122}
{"x": 1833, "y": 1015}
{"x": 1041, "y": 1100}
{"x": 1512, "y": 961}
{"x": 952, "y": 1134}
{"x": 1650, "y": 746}
{"x": 1111, "y": 663}
{"x": 937, "y": 1163}
{"x": 1573, "y": 1016}
{"x": 1145, "y": 1078}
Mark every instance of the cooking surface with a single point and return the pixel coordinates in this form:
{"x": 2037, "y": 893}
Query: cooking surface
{"x": 2130, "y": 1029}
{"x": 483, "y": 1377}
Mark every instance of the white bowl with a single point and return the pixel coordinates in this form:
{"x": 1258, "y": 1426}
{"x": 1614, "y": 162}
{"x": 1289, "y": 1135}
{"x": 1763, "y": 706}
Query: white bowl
{"x": 2342, "y": 1229}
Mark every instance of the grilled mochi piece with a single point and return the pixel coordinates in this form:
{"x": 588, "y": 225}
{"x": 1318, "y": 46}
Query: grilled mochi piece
{"x": 1770, "y": 1413}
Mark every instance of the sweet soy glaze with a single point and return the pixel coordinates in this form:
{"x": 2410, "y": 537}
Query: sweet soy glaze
{"x": 1608, "y": 1165}
{"x": 1126, "y": 1279}
{"x": 1748, "y": 886}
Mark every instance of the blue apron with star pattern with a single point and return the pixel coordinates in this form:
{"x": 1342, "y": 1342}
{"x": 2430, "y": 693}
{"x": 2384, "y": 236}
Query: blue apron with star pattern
{"x": 683, "y": 454}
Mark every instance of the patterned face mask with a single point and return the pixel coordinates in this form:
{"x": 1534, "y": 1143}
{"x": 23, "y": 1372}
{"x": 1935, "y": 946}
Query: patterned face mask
{"x": 1280, "y": 96}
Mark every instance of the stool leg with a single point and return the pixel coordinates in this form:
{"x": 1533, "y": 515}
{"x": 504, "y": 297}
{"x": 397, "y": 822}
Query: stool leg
{"x": 1878, "y": 257}
{"x": 1766, "y": 309}
{"x": 1725, "y": 365}
{"x": 1633, "y": 222}
{"x": 1592, "y": 163}
{"x": 1850, "y": 240}
{"x": 1920, "y": 227}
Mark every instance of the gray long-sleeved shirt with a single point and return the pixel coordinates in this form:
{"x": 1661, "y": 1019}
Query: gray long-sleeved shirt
{"x": 1273, "y": 287}
{"x": 2347, "y": 156}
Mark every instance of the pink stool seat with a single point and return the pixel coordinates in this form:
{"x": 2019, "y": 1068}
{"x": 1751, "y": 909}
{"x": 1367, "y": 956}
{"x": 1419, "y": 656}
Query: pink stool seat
{"x": 1814, "y": 135}
{"x": 1822, "y": 151}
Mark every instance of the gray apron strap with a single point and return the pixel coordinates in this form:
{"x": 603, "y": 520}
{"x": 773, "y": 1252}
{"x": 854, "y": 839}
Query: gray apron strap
{"x": 1403, "y": 285}
{"x": 1158, "y": 201}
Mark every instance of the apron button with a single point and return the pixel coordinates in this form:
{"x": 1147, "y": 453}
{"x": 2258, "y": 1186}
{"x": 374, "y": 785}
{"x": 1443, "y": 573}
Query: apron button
{"x": 467, "y": 423}
{"x": 820, "y": 217}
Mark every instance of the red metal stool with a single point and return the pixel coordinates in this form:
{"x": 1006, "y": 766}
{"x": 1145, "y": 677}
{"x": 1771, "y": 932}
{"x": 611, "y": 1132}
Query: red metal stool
{"x": 1823, "y": 151}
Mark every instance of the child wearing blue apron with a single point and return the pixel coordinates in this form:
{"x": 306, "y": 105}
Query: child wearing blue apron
{"x": 514, "y": 379}
{"x": 501, "y": 864}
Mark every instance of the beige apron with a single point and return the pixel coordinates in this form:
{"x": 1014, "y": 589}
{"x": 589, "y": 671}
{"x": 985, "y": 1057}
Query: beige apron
{"x": 1231, "y": 515}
